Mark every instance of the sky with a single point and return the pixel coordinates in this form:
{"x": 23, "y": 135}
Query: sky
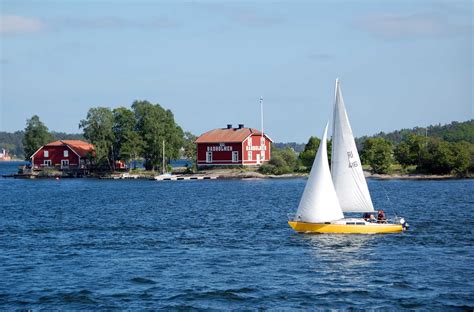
{"x": 401, "y": 63}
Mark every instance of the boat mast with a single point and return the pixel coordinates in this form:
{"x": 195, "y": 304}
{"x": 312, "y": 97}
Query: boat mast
{"x": 163, "y": 169}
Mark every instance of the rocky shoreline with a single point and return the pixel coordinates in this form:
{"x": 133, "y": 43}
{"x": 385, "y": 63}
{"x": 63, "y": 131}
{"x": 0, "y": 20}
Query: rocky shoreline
{"x": 227, "y": 174}
{"x": 414, "y": 177}
{"x": 231, "y": 174}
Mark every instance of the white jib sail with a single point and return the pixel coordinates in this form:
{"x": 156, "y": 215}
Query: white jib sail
{"x": 346, "y": 168}
{"x": 319, "y": 202}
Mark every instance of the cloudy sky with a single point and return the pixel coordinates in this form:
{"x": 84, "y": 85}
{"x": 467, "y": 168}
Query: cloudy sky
{"x": 401, "y": 63}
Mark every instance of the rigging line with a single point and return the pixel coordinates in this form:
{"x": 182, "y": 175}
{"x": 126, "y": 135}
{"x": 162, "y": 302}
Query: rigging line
{"x": 390, "y": 202}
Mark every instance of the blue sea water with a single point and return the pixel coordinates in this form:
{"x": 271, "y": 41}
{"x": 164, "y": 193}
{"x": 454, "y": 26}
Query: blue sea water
{"x": 218, "y": 245}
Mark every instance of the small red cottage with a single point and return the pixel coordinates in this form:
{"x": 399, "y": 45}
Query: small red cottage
{"x": 233, "y": 146}
{"x": 63, "y": 154}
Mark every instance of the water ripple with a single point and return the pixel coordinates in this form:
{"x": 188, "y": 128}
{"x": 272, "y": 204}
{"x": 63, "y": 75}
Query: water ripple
{"x": 225, "y": 245}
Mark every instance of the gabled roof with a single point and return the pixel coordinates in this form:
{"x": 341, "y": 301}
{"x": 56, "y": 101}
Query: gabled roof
{"x": 79, "y": 147}
{"x": 232, "y": 135}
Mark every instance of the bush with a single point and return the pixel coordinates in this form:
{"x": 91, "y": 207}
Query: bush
{"x": 282, "y": 161}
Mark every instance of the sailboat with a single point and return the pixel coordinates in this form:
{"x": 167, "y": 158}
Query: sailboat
{"x": 164, "y": 175}
{"x": 331, "y": 192}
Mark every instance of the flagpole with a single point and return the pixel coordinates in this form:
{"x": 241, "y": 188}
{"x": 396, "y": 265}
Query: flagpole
{"x": 262, "y": 138}
{"x": 261, "y": 113}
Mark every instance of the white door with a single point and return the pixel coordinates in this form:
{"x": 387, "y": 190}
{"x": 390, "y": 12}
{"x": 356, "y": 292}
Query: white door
{"x": 235, "y": 156}
{"x": 64, "y": 163}
{"x": 209, "y": 157}
{"x": 258, "y": 159}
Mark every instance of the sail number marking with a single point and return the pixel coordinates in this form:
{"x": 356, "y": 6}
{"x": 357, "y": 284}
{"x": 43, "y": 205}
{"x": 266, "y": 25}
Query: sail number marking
{"x": 352, "y": 164}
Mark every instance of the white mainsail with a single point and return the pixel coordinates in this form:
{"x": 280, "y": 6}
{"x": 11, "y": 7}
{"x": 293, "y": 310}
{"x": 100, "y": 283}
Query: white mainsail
{"x": 346, "y": 169}
{"x": 319, "y": 202}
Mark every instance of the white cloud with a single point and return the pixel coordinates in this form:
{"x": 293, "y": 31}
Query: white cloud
{"x": 386, "y": 25}
{"x": 14, "y": 24}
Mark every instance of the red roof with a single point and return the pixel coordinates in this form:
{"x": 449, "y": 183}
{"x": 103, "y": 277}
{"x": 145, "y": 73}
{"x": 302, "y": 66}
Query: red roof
{"x": 223, "y": 135}
{"x": 80, "y": 147}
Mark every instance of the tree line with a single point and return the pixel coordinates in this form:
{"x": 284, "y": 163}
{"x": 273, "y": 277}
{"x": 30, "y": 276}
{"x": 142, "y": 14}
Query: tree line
{"x": 139, "y": 132}
{"x": 414, "y": 154}
{"x": 452, "y": 132}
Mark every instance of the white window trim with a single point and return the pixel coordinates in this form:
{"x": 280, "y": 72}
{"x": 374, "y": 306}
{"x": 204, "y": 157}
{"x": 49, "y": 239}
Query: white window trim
{"x": 66, "y": 153}
{"x": 64, "y": 161}
{"x": 46, "y": 154}
{"x": 249, "y": 155}
{"x": 47, "y": 163}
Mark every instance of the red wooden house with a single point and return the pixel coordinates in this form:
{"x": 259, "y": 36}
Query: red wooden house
{"x": 233, "y": 147}
{"x": 63, "y": 154}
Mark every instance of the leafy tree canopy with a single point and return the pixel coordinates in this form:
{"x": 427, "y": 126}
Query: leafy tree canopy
{"x": 98, "y": 129}
{"x": 189, "y": 147}
{"x": 377, "y": 153}
{"x": 36, "y": 135}
{"x": 309, "y": 153}
{"x": 157, "y": 127}
{"x": 127, "y": 144}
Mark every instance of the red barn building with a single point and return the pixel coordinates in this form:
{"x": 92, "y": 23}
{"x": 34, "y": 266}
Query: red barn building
{"x": 63, "y": 154}
{"x": 233, "y": 147}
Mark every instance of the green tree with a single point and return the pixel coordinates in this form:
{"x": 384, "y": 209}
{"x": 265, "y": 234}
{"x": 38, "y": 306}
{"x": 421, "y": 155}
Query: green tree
{"x": 98, "y": 129}
{"x": 36, "y": 135}
{"x": 439, "y": 157}
{"x": 463, "y": 157}
{"x": 311, "y": 148}
{"x": 290, "y": 158}
{"x": 189, "y": 148}
{"x": 411, "y": 150}
{"x": 377, "y": 153}
{"x": 307, "y": 156}
{"x": 128, "y": 143}
{"x": 402, "y": 155}
{"x": 155, "y": 126}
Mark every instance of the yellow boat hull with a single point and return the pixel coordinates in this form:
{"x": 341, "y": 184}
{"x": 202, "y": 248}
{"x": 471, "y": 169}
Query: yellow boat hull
{"x": 304, "y": 227}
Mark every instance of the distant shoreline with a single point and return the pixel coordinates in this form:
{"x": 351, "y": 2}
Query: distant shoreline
{"x": 415, "y": 177}
{"x": 242, "y": 174}
{"x": 231, "y": 174}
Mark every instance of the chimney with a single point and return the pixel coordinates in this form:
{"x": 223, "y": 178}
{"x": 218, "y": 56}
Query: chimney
{"x": 229, "y": 126}
{"x": 241, "y": 126}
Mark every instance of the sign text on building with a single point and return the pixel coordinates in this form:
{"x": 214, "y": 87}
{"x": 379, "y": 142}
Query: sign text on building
{"x": 256, "y": 148}
{"x": 220, "y": 148}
